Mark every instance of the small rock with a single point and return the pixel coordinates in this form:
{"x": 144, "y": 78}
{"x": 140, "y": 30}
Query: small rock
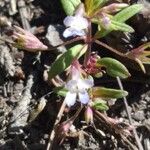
{"x": 147, "y": 98}
{"x": 147, "y": 123}
{"x": 139, "y": 115}
{"x": 124, "y": 114}
{"x": 54, "y": 36}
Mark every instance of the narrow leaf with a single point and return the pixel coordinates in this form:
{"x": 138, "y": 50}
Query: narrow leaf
{"x": 88, "y": 6}
{"x": 107, "y": 93}
{"x": 128, "y": 12}
{"x": 121, "y": 26}
{"x": 98, "y": 3}
{"x": 70, "y": 6}
{"x": 140, "y": 64}
{"x": 113, "y": 67}
{"x": 92, "y": 6}
{"x": 66, "y": 59}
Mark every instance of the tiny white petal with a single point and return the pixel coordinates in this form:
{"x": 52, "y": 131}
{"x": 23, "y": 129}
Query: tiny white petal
{"x": 73, "y": 32}
{"x": 71, "y": 85}
{"x": 80, "y": 23}
{"x": 70, "y": 98}
{"x": 69, "y": 20}
{"x": 67, "y": 33}
{"x": 85, "y": 84}
{"x": 76, "y": 22}
{"x": 84, "y": 97}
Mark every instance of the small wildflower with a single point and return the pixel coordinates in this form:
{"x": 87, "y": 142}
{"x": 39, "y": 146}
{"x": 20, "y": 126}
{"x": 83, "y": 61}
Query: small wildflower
{"x": 77, "y": 24}
{"x": 26, "y": 40}
{"x": 77, "y": 87}
{"x": 89, "y": 115}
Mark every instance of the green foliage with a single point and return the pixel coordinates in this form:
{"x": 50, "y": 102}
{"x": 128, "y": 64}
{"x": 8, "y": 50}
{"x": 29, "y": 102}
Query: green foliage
{"x": 119, "y": 26}
{"x": 70, "y": 6}
{"x": 128, "y": 12}
{"x": 107, "y": 93}
{"x": 113, "y": 67}
{"x": 100, "y": 105}
{"x": 66, "y": 59}
{"x": 60, "y": 91}
{"x": 92, "y": 5}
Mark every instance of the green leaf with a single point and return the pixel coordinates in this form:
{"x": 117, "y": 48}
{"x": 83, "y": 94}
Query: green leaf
{"x": 107, "y": 93}
{"x": 128, "y": 12}
{"x": 144, "y": 60}
{"x": 88, "y": 6}
{"x": 70, "y": 6}
{"x": 121, "y": 17}
{"x": 60, "y": 91}
{"x": 113, "y": 67}
{"x": 121, "y": 26}
{"x": 66, "y": 59}
{"x": 92, "y": 5}
{"x": 100, "y": 104}
{"x": 98, "y": 3}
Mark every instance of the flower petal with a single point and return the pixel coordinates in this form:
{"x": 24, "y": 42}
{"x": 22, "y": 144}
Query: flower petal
{"x": 85, "y": 84}
{"x": 73, "y": 32}
{"x": 84, "y": 97}
{"x": 76, "y": 22}
{"x": 70, "y": 98}
{"x": 69, "y": 20}
{"x": 71, "y": 85}
{"x": 75, "y": 73}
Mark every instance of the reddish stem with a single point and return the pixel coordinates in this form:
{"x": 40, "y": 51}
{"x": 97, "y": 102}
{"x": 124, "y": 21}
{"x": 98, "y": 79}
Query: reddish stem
{"x": 89, "y": 42}
{"x": 68, "y": 42}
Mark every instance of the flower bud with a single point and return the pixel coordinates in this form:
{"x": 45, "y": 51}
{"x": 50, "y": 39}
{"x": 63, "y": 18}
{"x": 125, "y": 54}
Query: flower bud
{"x": 91, "y": 67}
{"x": 26, "y": 40}
{"x": 105, "y": 21}
{"x": 115, "y": 7}
{"x": 89, "y": 115}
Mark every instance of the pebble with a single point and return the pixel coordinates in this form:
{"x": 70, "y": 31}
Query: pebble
{"x": 54, "y": 36}
{"x": 139, "y": 115}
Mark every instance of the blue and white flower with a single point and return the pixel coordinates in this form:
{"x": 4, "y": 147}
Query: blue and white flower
{"x": 76, "y": 25}
{"x": 77, "y": 88}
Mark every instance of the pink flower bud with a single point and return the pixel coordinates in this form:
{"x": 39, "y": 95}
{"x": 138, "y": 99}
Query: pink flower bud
{"x": 89, "y": 115}
{"x": 91, "y": 67}
{"x": 26, "y": 40}
{"x": 115, "y": 7}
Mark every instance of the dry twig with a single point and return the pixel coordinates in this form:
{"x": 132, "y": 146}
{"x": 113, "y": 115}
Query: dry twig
{"x": 58, "y": 118}
{"x": 129, "y": 117}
